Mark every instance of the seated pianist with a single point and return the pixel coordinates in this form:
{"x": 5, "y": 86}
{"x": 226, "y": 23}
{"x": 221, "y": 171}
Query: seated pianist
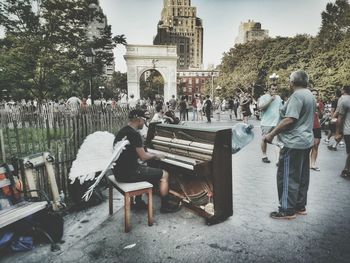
{"x": 129, "y": 170}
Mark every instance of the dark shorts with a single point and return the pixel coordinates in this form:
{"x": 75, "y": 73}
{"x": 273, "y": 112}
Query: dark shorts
{"x": 142, "y": 173}
{"x": 317, "y": 133}
{"x": 332, "y": 127}
{"x": 347, "y": 143}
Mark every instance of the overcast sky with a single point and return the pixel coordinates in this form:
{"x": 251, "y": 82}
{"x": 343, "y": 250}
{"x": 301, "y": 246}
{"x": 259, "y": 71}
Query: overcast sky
{"x": 138, "y": 19}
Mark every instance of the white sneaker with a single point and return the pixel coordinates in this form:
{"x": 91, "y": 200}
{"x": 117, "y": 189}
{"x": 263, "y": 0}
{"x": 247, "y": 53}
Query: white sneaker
{"x": 326, "y": 140}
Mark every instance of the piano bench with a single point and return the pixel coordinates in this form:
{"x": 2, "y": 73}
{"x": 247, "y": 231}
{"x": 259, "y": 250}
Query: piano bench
{"x": 129, "y": 190}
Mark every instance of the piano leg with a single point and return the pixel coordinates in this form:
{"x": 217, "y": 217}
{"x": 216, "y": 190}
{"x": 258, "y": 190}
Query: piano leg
{"x": 216, "y": 219}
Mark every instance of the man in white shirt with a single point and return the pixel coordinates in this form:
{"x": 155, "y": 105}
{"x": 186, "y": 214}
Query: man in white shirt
{"x": 132, "y": 102}
{"x": 270, "y": 105}
{"x": 73, "y": 103}
{"x": 88, "y": 101}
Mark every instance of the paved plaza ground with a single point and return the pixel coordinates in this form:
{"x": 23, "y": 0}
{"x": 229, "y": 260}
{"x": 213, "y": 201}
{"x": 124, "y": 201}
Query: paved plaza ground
{"x": 250, "y": 235}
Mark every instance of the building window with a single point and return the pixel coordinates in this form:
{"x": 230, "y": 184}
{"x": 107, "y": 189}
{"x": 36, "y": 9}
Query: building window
{"x": 197, "y": 80}
{"x": 184, "y": 89}
{"x": 189, "y": 89}
{"x": 182, "y": 48}
{"x": 190, "y": 81}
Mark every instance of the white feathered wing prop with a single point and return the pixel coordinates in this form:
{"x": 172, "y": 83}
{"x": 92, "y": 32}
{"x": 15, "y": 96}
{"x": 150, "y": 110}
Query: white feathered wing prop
{"x": 95, "y": 154}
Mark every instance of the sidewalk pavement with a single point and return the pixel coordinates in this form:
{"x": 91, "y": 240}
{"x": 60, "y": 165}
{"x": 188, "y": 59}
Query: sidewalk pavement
{"x": 250, "y": 235}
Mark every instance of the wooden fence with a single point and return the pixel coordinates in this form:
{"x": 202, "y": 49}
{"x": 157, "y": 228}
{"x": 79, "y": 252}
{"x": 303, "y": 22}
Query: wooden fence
{"x": 24, "y": 131}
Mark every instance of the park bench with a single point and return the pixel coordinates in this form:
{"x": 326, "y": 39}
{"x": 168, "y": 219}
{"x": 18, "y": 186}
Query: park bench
{"x": 33, "y": 203}
{"x": 19, "y": 211}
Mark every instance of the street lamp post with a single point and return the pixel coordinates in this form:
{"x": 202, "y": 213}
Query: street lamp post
{"x": 212, "y": 85}
{"x": 90, "y": 59}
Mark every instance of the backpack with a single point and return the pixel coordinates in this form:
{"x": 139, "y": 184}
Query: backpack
{"x": 11, "y": 192}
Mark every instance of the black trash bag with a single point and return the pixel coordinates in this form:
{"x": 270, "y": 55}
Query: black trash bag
{"x": 51, "y": 222}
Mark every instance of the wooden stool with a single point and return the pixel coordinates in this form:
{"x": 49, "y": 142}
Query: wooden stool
{"x": 130, "y": 190}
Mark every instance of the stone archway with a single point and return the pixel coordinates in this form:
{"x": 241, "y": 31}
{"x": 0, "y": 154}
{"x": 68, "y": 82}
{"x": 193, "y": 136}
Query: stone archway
{"x": 140, "y": 58}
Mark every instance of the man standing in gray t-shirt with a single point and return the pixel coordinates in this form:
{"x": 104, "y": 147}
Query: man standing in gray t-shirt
{"x": 295, "y": 132}
{"x": 343, "y": 127}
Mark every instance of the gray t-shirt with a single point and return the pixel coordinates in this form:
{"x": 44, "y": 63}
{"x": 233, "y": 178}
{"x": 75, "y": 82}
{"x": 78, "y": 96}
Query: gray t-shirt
{"x": 344, "y": 109}
{"x": 300, "y": 106}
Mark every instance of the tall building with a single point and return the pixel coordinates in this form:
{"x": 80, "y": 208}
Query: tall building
{"x": 180, "y": 26}
{"x": 93, "y": 31}
{"x": 249, "y": 31}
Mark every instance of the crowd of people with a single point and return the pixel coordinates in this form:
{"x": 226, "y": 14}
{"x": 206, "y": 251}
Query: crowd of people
{"x": 297, "y": 123}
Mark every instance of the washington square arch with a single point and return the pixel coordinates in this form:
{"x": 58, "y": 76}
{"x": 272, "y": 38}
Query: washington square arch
{"x": 141, "y": 58}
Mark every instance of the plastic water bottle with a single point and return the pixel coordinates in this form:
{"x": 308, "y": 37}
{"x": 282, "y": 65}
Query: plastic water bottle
{"x": 242, "y": 135}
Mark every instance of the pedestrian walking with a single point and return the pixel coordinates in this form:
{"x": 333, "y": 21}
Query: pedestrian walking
{"x": 207, "y": 108}
{"x": 194, "y": 108}
{"x": 332, "y": 123}
{"x": 230, "y": 106}
{"x": 236, "y": 106}
{"x": 182, "y": 108}
{"x": 245, "y": 106}
{"x": 295, "y": 132}
{"x": 172, "y": 103}
{"x": 343, "y": 128}
{"x": 316, "y": 131}
{"x": 200, "y": 108}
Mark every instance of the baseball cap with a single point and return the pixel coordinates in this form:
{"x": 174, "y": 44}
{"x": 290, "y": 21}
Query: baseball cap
{"x": 138, "y": 114}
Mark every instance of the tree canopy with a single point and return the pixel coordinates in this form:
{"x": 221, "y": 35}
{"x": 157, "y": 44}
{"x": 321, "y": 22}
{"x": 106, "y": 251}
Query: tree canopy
{"x": 42, "y": 54}
{"x": 325, "y": 57}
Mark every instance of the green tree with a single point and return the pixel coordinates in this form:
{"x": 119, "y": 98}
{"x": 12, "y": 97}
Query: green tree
{"x": 325, "y": 57}
{"x": 118, "y": 85}
{"x": 335, "y": 23}
{"x": 44, "y": 44}
{"x": 153, "y": 85}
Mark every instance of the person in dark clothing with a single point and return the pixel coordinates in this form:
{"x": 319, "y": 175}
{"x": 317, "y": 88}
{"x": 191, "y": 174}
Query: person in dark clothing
{"x": 235, "y": 105}
{"x": 332, "y": 123}
{"x": 207, "y": 106}
{"x": 230, "y": 106}
{"x": 245, "y": 106}
{"x": 182, "y": 108}
{"x": 127, "y": 168}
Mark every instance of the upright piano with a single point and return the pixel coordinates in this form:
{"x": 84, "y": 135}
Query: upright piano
{"x": 199, "y": 161}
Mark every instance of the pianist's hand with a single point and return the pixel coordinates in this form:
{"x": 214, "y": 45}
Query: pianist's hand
{"x": 159, "y": 156}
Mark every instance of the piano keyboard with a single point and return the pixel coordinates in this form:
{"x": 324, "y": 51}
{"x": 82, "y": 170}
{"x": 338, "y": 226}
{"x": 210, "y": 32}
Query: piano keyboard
{"x": 177, "y": 160}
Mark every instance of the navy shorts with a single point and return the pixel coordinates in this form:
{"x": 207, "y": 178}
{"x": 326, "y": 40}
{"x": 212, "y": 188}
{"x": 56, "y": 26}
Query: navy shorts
{"x": 142, "y": 173}
{"x": 317, "y": 133}
{"x": 347, "y": 143}
{"x": 332, "y": 127}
